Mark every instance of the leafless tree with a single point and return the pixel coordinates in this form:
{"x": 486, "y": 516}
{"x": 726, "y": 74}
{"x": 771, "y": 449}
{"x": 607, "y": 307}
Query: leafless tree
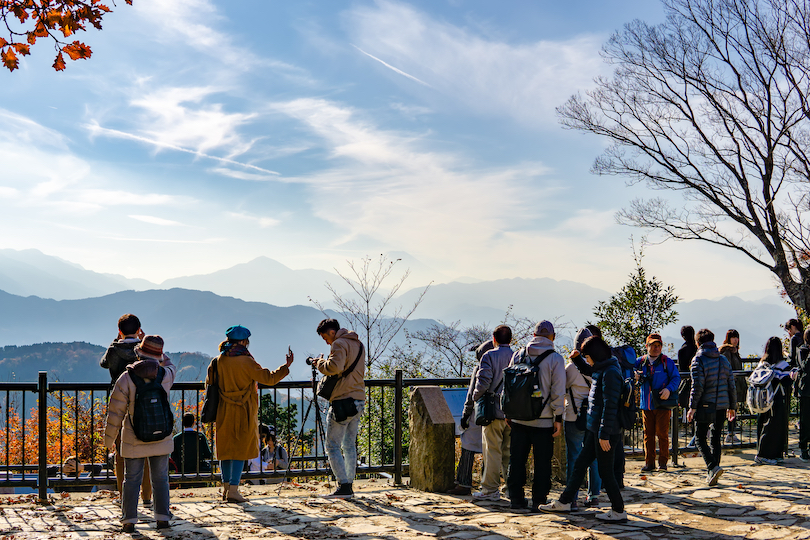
{"x": 713, "y": 104}
{"x": 369, "y": 308}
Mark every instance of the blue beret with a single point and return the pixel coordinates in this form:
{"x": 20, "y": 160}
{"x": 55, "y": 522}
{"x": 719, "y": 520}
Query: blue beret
{"x": 237, "y": 333}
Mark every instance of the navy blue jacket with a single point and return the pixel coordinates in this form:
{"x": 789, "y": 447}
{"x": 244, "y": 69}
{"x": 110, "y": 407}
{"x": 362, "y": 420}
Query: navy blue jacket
{"x": 712, "y": 379}
{"x": 603, "y": 400}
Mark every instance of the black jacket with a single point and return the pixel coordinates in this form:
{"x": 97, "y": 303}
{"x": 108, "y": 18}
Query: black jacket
{"x": 185, "y": 455}
{"x": 118, "y": 356}
{"x": 712, "y": 379}
{"x": 795, "y": 344}
{"x": 803, "y": 380}
{"x": 685, "y": 355}
{"x": 603, "y": 399}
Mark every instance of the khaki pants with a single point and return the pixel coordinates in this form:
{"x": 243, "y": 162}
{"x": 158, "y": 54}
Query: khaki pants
{"x": 497, "y": 437}
{"x": 146, "y": 484}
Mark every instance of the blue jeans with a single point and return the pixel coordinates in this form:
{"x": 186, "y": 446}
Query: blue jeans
{"x": 131, "y": 488}
{"x": 231, "y": 470}
{"x": 573, "y": 447}
{"x": 341, "y": 444}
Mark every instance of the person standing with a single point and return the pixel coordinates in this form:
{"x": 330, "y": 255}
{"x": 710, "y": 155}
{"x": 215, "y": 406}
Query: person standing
{"x": 122, "y": 421}
{"x": 713, "y": 399}
{"x": 489, "y": 379}
{"x": 238, "y": 375}
{"x": 659, "y": 379}
{"x": 731, "y": 350}
{"x": 537, "y": 434}
{"x": 577, "y": 387}
{"x": 803, "y": 393}
{"x": 603, "y": 436}
{"x": 795, "y": 330}
{"x": 772, "y": 425}
{"x": 346, "y": 360}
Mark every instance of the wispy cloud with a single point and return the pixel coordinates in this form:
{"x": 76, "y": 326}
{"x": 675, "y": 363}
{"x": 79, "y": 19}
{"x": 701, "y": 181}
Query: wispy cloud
{"x": 389, "y": 66}
{"x": 156, "y": 220}
{"x": 261, "y": 221}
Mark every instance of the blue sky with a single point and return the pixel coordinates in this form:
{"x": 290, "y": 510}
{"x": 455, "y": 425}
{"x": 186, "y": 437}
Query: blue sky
{"x": 205, "y": 133}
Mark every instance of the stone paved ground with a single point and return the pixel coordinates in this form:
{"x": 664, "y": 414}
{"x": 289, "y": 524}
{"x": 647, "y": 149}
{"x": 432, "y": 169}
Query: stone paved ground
{"x": 756, "y": 502}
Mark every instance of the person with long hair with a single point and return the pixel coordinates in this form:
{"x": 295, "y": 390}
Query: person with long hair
{"x": 772, "y": 425}
{"x": 238, "y": 374}
{"x": 731, "y": 350}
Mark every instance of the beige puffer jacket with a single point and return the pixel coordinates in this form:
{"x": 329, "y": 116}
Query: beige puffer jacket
{"x": 122, "y": 406}
{"x": 343, "y": 354}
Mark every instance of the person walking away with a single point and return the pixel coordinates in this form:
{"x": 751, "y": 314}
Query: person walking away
{"x": 124, "y": 420}
{"x": 191, "y": 454}
{"x": 472, "y": 435}
{"x": 772, "y": 424}
{"x": 577, "y": 387}
{"x": 537, "y": 434}
{"x": 731, "y": 350}
{"x": 346, "y": 360}
{"x": 659, "y": 379}
{"x": 713, "y": 399}
{"x": 238, "y": 375}
{"x": 116, "y": 358}
{"x": 603, "y": 434}
{"x": 497, "y": 435}
{"x": 803, "y": 393}
{"x": 685, "y": 355}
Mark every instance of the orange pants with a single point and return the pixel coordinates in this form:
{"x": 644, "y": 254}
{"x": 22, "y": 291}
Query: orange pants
{"x": 656, "y": 426}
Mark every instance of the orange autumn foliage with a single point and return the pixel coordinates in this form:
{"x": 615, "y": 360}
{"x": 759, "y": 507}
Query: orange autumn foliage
{"x": 25, "y": 21}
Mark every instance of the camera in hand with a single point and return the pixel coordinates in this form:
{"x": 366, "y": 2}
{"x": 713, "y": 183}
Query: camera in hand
{"x": 311, "y": 359}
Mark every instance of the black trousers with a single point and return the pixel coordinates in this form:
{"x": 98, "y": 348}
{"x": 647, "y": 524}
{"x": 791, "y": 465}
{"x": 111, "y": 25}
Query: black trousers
{"x": 465, "y": 468}
{"x": 591, "y": 449}
{"x": 772, "y": 429}
{"x": 711, "y": 451}
{"x": 540, "y": 440}
{"x": 619, "y": 460}
{"x": 804, "y": 423}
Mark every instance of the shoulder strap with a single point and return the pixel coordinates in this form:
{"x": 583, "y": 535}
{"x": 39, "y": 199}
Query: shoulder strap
{"x": 354, "y": 364}
{"x": 573, "y": 402}
{"x": 540, "y": 357}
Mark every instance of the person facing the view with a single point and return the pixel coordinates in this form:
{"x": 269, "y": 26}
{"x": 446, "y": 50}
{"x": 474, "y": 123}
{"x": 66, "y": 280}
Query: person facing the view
{"x": 488, "y": 377}
{"x": 238, "y": 375}
{"x": 537, "y": 434}
{"x": 803, "y": 394}
{"x": 713, "y": 399}
{"x": 191, "y": 452}
{"x": 772, "y": 424}
{"x": 659, "y": 379}
{"x": 117, "y": 357}
{"x": 347, "y": 362}
{"x": 731, "y": 350}
{"x": 795, "y": 330}
{"x": 123, "y": 421}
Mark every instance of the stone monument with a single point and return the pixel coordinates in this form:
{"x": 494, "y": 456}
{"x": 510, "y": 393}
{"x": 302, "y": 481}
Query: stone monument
{"x": 432, "y": 451}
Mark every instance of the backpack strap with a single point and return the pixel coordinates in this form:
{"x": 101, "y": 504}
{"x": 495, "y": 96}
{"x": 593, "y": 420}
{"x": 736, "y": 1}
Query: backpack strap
{"x": 540, "y": 357}
{"x": 573, "y": 403}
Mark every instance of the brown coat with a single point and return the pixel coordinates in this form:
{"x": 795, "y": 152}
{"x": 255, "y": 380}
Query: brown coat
{"x": 343, "y": 354}
{"x": 237, "y": 434}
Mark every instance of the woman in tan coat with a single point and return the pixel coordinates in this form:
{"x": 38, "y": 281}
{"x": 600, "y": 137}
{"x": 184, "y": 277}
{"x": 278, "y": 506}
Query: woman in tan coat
{"x": 237, "y": 374}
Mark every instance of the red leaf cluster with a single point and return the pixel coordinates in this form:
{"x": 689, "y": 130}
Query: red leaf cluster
{"x": 25, "y": 21}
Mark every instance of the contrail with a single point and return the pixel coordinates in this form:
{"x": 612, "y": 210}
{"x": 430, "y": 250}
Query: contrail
{"x": 389, "y": 66}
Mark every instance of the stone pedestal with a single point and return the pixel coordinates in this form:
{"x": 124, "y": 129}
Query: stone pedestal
{"x": 432, "y": 449}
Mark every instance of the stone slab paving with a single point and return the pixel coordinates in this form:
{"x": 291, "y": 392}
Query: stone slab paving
{"x": 755, "y": 502}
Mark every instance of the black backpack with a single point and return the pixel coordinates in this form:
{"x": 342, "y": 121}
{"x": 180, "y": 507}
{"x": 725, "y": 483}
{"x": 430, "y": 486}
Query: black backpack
{"x": 627, "y": 404}
{"x": 522, "y": 397}
{"x": 152, "y": 419}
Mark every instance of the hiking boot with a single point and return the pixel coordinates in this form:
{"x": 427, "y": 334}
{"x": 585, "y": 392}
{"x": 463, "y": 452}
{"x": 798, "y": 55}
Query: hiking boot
{"x": 714, "y": 475}
{"x": 487, "y": 496}
{"x": 460, "y": 491}
{"x": 805, "y": 456}
{"x": 648, "y": 468}
{"x": 613, "y": 516}
{"x": 128, "y": 528}
{"x": 344, "y": 491}
{"x": 162, "y": 525}
{"x": 519, "y": 505}
{"x": 662, "y": 468}
{"x": 555, "y": 506}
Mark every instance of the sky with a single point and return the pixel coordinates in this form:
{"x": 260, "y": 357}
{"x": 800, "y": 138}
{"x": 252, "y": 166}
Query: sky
{"x": 205, "y": 133}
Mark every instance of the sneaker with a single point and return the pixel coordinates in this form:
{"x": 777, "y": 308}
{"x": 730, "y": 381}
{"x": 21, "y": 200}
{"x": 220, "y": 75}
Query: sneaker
{"x": 519, "y": 505}
{"x": 555, "y": 506}
{"x": 764, "y": 461}
{"x": 729, "y": 439}
{"x": 162, "y": 525}
{"x": 805, "y": 456}
{"x": 128, "y": 528}
{"x": 574, "y": 506}
{"x": 662, "y": 468}
{"x": 147, "y": 503}
{"x": 735, "y": 440}
{"x": 591, "y": 502}
{"x": 714, "y": 475}
{"x": 487, "y": 496}
{"x": 344, "y": 491}
{"x": 648, "y": 468}
{"x": 613, "y": 516}
{"x": 460, "y": 491}
{"x": 691, "y": 445}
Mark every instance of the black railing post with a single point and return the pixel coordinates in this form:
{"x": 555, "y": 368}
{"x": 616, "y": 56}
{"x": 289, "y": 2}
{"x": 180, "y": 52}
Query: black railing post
{"x": 398, "y": 427}
{"x": 43, "y": 437}
{"x": 676, "y": 419}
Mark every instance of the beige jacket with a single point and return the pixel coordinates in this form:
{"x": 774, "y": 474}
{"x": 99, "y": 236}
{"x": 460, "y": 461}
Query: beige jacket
{"x": 341, "y": 357}
{"x": 122, "y": 406}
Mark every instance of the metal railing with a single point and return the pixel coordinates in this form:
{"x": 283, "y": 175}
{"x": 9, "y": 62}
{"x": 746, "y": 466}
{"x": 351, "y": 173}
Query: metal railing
{"x": 73, "y": 418}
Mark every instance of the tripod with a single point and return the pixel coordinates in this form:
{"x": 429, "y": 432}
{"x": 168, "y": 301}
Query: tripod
{"x": 320, "y": 430}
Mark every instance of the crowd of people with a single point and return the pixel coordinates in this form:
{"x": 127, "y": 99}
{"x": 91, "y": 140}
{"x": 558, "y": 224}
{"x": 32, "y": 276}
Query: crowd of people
{"x": 523, "y": 399}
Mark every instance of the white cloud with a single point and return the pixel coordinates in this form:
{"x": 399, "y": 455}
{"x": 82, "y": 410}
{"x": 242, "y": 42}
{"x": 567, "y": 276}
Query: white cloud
{"x": 525, "y": 81}
{"x": 261, "y": 221}
{"x": 241, "y": 175}
{"x": 392, "y": 68}
{"x": 156, "y": 220}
